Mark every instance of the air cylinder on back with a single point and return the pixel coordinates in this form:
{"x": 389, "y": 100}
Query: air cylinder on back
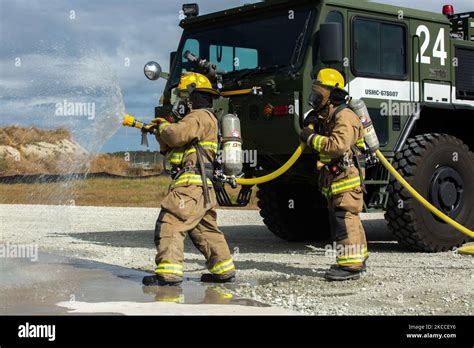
{"x": 370, "y": 137}
{"x": 231, "y": 145}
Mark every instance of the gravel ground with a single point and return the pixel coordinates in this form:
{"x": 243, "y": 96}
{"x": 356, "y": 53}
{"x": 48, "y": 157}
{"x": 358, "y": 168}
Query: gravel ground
{"x": 288, "y": 275}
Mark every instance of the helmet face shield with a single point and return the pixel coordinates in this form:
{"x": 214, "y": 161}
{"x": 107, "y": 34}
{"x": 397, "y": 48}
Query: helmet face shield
{"x": 181, "y": 94}
{"x": 319, "y": 96}
{"x": 181, "y": 106}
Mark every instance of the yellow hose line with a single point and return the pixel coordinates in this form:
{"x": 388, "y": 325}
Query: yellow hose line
{"x": 420, "y": 198}
{"x": 280, "y": 171}
{"x": 467, "y": 249}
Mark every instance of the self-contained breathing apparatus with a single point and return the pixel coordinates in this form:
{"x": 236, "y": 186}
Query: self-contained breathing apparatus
{"x": 328, "y": 89}
{"x": 363, "y": 153}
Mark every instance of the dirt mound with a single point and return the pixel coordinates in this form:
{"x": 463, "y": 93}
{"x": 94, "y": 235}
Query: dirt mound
{"x": 15, "y": 136}
{"x": 43, "y": 151}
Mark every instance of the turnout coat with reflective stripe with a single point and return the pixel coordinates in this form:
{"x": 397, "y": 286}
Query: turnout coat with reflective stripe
{"x": 199, "y": 125}
{"x": 337, "y": 134}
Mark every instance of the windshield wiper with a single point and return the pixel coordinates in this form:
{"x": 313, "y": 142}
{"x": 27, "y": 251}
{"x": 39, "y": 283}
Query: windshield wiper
{"x": 295, "y": 56}
{"x": 258, "y": 70}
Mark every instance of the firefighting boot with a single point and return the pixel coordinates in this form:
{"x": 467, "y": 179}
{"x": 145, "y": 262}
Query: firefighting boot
{"x": 339, "y": 273}
{"x": 212, "y": 278}
{"x": 153, "y": 280}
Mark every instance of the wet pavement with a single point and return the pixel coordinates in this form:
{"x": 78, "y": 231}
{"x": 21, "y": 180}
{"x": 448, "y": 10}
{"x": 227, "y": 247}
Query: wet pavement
{"x": 58, "y": 285}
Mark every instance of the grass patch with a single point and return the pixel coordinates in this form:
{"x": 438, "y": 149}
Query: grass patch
{"x": 96, "y": 192}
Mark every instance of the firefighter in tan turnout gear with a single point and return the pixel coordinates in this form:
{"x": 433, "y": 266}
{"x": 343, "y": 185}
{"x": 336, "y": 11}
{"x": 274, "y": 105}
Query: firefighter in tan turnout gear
{"x": 190, "y": 146}
{"x": 337, "y": 138}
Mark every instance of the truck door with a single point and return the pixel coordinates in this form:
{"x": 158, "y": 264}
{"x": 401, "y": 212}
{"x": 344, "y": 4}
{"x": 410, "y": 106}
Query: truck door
{"x": 379, "y": 71}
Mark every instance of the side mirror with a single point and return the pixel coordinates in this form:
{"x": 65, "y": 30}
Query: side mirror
{"x": 331, "y": 43}
{"x": 152, "y": 70}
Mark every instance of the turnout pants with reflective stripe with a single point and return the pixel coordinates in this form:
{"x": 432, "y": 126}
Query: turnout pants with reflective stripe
{"x": 182, "y": 212}
{"x": 347, "y": 229}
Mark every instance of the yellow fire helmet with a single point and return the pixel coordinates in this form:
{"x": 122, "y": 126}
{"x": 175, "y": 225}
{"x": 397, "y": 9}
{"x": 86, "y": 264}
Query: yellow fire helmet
{"x": 331, "y": 78}
{"x": 191, "y": 81}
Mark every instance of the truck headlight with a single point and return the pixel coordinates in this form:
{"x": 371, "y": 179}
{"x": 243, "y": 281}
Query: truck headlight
{"x": 191, "y": 10}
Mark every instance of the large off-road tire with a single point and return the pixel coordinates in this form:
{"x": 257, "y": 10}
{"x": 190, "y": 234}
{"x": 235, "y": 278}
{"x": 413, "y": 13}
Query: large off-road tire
{"x": 294, "y": 212}
{"x": 441, "y": 168}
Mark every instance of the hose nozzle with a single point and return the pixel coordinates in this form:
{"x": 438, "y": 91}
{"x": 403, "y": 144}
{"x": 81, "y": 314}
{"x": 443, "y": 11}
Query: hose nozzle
{"x": 130, "y": 121}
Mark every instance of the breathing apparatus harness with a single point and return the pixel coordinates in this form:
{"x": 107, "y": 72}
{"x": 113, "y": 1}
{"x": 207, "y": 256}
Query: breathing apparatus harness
{"x": 357, "y": 160}
{"x": 204, "y": 168}
{"x": 328, "y": 90}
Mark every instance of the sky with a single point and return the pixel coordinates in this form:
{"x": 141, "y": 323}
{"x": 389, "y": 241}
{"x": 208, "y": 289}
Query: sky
{"x": 69, "y": 63}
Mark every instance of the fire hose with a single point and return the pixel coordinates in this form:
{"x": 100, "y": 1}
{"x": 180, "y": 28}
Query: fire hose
{"x": 280, "y": 171}
{"x": 131, "y": 122}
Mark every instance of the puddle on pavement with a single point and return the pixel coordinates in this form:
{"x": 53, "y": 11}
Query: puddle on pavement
{"x": 35, "y": 287}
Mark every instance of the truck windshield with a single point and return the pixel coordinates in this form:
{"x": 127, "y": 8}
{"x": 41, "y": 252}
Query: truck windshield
{"x": 240, "y": 47}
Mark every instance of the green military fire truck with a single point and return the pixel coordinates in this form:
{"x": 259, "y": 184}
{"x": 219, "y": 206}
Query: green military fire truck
{"x": 413, "y": 69}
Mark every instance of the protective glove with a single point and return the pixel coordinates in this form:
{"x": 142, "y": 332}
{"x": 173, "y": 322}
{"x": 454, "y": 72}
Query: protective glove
{"x": 157, "y": 121}
{"x": 312, "y": 118}
{"x": 306, "y": 134}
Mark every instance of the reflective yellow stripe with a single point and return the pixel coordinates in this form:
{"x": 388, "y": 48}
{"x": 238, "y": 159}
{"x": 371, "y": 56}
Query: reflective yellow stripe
{"x": 170, "y": 268}
{"x": 355, "y": 256}
{"x": 171, "y": 299}
{"x": 169, "y": 271}
{"x": 222, "y": 293}
{"x": 325, "y": 159}
{"x": 175, "y": 157}
{"x": 225, "y": 263}
{"x": 318, "y": 142}
{"x": 345, "y": 185}
{"x": 341, "y": 186}
{"x": 345, "y": 188}
{"x": 348, "y": 262}
{"x": 213, "y": 148}
{"x": 209, "y": 144}
{"x": 222, "y": 267}
{"x": 360, "y": 143}
{"x": 188, "y": 179}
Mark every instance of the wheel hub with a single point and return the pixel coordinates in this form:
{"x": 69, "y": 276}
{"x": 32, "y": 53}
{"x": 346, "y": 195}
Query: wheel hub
{"x": 446, "y": 191}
